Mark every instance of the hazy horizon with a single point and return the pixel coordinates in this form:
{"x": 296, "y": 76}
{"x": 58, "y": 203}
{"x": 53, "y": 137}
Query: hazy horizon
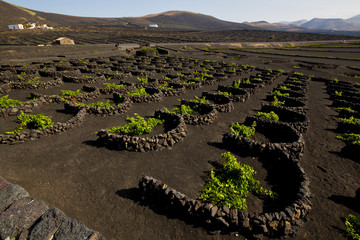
{"x": 229, "y": 10}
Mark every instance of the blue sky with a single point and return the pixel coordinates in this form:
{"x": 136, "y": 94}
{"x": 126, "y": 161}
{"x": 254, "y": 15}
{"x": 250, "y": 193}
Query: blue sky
{"x": 231, "y": 10}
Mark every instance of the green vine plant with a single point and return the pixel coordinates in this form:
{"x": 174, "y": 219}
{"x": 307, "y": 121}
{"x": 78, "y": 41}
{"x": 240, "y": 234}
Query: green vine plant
{"x": 34, "y": 80}
{"x": 277, "y": 102}
{"x": 200, "y": 100}
{"x": 21, "y": 76}
{"x": 188, "y": 83}
{"x": 138, "y": 92}
{"x": 165, "y": 86}
{"x": 237, "y": 84}
{"x": 351, "y": 119}
{"x": 243, "y": 130}
{"x": 353, "y": 227}
{"x": 137, "y": 126}
{"x": 298, "y": 74}
{"x": 70, "y": 93}
{"x": 225, "y": 93}
{"x": 282, "y": 87}
{"x": 350, "y": 137}
{"x": 38, "y": 121}
{"x": 334, "y": 80}
{"x": 5, "y": 102}
{"x": 113, "y": 85}
{"x": 345, "y": 108}
{"x": 143, "y": 80}
{"x": 338, "y": 93}
{"x": 183, "y": 110}
{"x": 270, "y": 116}
{"x": 278, "y": 93}
{"x": 231, "y": 185}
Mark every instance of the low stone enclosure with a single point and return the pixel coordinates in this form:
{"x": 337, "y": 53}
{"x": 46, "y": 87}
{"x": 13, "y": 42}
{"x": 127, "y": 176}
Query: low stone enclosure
{"x": 33, "y": 134}
{"x": 284, "y": 220}
{"x": 155, "y": 95}
{"x": 221, "y": 102}
{"x": 176, "y": 131}
{"x": 24, "y": 217}
{"x": 280, "y": 136}
{"x": 124, "y": 104}
{"x": 296, "y": 119}
{"x": 26, "y": 107}
{"x": 90, "y": 93}
{"x": 207, "y": 113}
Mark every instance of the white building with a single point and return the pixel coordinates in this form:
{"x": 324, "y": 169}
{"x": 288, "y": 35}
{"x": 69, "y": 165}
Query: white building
{"x": 16, "y": 26}
{"x": 153, "y": 25}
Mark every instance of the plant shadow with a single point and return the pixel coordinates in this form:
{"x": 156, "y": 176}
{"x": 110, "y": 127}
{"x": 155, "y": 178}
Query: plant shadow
{"x": 349, "y": 202}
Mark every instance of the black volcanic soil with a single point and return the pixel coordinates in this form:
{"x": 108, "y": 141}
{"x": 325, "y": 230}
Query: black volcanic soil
{"x": 98, "y": 186}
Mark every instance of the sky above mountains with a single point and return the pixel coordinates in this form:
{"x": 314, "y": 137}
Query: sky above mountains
{"x": 230, "y": 10}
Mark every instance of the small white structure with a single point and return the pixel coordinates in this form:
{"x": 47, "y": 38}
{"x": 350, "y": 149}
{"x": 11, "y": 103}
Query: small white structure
{"x": 16, "y": 26}
{"x": 153, "y": 26}
{"x": 63, "y": 41}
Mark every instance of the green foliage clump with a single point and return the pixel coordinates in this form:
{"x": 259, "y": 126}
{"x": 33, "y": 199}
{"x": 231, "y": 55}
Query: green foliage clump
{"x": 70, "y": 93}
{"x": 352, "y": 119}
{"x": 34, "y": 80}
{"x": 98, "y": 104}
{"x": 5, "y": 102}
{"x": 237, "y": 84}
{"x": 350, "y": 137}
{"x": 243, "y": 130}
{"x": 278, "y": 93}
{"x": 345, "y": 108}
{"x": 201, "y": 100}
{"x": 38, "y": 121}
{"x": 357, "y": 84}
{"x": 165, "y": 86}
{"x": 183, "y": 110}
{"x": 143, "y": 80}
{"x": 148, "y": 49}
{"x": 225, "y": 93}
{"x": 86, "y": 76}
{"x": 231, "y": 186}
{"x": 298, "y": 74}
{"x": 338, "y": 93}
{"x": 113, "y": 85}
{"x": 270, "y": 116}
{"x": 334, "y": 80}
{"x": 353, "y": 227}
{"x": 137, "y": 126}
{"x": 188, "y": 83}
{"x": 282, "y": 87}
{"x": 277, "y": 102}
{"x": 138, "y": 92}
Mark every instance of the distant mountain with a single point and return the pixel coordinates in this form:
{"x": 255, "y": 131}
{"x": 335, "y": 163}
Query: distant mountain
{"x": 355, "y": 20}
{"x": 181, "y": 20}
{"x": 273, "y": 26}
{"x": 330, "y": 24}
{"x": 296, "y": 23}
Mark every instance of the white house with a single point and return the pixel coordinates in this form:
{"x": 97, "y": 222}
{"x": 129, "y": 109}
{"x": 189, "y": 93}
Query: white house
{"x": 153, "y": 26}
{"x": 16, "y": 26}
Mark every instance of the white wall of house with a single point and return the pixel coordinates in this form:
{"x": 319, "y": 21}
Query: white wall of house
{"x": 16, "y": 26}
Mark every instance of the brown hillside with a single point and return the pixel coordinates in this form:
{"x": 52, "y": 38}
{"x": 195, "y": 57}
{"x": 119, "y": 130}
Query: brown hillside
{"x": 12, "y": 14}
